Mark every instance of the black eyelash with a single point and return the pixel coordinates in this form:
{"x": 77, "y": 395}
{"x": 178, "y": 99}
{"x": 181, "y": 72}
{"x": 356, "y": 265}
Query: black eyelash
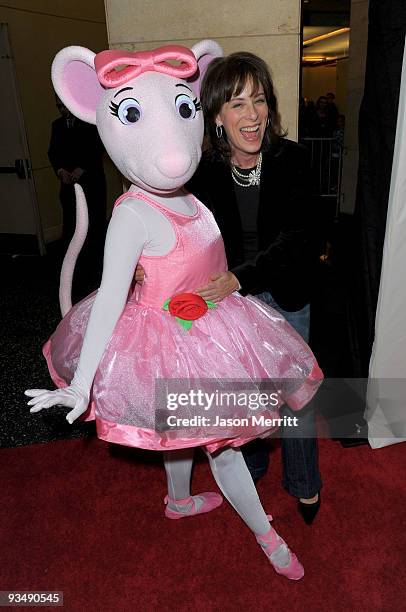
{"x": 114, "y": 108}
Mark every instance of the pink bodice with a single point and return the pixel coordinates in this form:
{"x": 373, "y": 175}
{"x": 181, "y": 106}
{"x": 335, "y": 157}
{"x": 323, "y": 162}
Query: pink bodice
{"x": 198, "y": 253}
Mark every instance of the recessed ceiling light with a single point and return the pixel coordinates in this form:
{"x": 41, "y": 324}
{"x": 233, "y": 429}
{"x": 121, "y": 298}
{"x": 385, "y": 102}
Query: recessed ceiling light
{"x": 316, "y": 39}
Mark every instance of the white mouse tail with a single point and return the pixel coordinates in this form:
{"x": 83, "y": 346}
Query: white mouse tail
{"x": 75, "y": 246}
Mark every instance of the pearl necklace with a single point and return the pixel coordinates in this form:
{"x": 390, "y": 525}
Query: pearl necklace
{"x": 253, "y": 178}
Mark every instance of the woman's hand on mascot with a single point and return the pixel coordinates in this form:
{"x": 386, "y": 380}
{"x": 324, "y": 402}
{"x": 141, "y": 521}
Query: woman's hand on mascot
{"x": 139, "y": 275}
{"x": 220, "y": 286}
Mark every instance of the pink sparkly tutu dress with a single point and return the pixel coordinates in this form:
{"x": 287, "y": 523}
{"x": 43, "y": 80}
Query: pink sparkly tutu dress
{"x": 241, "y": 340}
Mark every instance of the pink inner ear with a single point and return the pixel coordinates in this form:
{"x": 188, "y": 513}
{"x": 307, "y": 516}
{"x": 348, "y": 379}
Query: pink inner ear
{"x": 196, "y": 80}
{"x": 82, "y": 86}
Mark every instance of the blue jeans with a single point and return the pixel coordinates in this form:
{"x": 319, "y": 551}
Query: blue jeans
{"x": 301, "y": 476}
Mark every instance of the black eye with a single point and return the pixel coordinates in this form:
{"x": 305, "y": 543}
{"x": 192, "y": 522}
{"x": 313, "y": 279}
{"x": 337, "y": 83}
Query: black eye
{"x": 132, "y": 114}
{"x": 185, "y": 106}
{"x": 128, "y": 111}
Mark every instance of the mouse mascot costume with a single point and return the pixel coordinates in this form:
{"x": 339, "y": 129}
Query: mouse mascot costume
{"x": 111, "y": 350}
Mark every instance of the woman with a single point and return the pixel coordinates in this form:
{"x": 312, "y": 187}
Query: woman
{"x": 256, "y": 183}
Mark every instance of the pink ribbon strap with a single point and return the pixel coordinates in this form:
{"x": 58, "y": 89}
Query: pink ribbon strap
{"x": 135, "y": 63}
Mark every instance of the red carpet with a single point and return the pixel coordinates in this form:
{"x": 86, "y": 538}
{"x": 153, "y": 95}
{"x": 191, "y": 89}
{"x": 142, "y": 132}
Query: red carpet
{"x": 87, "y": 519}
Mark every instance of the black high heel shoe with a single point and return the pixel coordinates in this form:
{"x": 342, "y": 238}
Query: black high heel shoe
{"x": 309, "y": 511}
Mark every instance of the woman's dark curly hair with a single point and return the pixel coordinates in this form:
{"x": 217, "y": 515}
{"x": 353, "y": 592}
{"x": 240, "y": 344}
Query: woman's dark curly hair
{"x": 226, "y": 77}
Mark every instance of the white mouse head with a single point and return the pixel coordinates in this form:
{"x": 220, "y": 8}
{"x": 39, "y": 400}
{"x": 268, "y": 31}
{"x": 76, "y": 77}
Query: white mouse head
{"x": 146, "y": 108}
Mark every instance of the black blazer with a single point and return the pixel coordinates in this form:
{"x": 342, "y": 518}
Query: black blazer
{"x": 287, "y": 254}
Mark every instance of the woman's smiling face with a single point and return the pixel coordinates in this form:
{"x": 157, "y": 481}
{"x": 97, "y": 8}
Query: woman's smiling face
{"x": 244, "y": 119}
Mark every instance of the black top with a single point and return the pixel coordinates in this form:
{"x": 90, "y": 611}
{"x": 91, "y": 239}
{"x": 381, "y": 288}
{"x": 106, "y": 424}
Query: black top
{"x": 287, "y": 256}
{"x": 248, "y": 202}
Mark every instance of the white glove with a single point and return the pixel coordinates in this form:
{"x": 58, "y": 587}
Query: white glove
{"x": 71, "y": 396}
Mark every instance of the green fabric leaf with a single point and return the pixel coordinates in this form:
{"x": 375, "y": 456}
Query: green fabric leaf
{"x": 185, "y": 324}
{"x": 165, "y": 305}
{"x": 210, "y": 304}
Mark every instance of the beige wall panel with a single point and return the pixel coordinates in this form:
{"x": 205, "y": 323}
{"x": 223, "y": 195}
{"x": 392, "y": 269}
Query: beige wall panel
{"x": 282, "y": 53}
{"x": 356, "y": 68}
{"x": 74, "y": 9}
{"x": 165, "y": 20}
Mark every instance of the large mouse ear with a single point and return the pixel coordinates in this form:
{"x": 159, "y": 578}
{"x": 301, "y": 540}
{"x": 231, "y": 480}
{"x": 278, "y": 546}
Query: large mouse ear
{"x": 75, "y": 82}
{"x": 205, "y": 51}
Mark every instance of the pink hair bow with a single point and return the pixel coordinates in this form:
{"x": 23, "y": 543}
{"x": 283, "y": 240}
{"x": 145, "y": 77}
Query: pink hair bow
{"x": 135, "y": 63}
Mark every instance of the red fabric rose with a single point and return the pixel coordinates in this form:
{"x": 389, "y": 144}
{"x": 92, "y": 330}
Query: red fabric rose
{"x": 188, "y": 306}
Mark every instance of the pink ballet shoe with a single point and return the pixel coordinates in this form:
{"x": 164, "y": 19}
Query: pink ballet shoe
{"x": 269, "y": 543}
{"x": 210, "y": 502}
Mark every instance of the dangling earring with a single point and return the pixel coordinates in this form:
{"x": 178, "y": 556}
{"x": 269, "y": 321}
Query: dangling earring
{"x": 219, "y": 131}
{"x": 267, "y": 122}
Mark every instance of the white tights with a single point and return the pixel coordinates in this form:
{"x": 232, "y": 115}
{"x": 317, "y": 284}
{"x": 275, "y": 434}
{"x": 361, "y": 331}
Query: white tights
{"x": 232, "y": 477}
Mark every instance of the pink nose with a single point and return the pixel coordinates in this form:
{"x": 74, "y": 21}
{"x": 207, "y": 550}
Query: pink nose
{"x": 174, "y": 166}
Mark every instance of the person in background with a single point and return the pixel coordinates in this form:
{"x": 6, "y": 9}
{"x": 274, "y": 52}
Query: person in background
{"x": 338, "y": 133}
{"x": 320, "y": 125}
{"x": 76, "y": 155}
{"x": 332, "y": 109}
{"x": 303, "y": 116}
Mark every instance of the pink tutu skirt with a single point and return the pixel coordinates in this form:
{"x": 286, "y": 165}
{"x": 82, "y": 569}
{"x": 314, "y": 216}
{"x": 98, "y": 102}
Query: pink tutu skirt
{"x": 241, "y": 342}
